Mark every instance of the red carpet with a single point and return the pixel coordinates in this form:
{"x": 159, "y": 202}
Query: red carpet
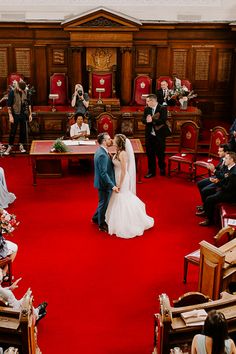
{"x": 102, "y": 291}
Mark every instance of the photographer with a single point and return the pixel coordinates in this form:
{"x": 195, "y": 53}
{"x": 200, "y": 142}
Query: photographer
{"x": 19, "y": 109}
{"x": 80, "y": 100}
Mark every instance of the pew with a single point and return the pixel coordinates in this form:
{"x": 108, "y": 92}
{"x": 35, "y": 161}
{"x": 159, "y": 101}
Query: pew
{"x": 17, "y": 328}
{"x": 171, "y": 331}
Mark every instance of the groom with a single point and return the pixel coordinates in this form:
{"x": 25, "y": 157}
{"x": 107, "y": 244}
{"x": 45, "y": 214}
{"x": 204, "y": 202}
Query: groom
{"x": 104, "y": 179}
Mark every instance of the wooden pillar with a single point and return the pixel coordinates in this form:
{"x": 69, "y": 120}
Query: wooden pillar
{"x": 41, "y": 80}
{"x": 126, "y": 74}
{"x": 76, "y": 71}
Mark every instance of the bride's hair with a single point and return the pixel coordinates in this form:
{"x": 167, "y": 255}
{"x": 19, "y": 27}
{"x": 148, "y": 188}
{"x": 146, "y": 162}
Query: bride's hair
{"x": 120, "y": 141}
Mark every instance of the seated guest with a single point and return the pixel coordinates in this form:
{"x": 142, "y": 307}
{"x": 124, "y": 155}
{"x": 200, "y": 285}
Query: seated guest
{"x": 232, "y": 139}
{"x": 208, "y": 186}
{"x": 6, "y": 197}
{"x": 215, "y": 338}
{"x": 225, "y": 192}
{"x": 80, "y": 100}
{"x": 79, "y": 130}
{"x": 163, "y": 96}
{"x": 8, "y": 296}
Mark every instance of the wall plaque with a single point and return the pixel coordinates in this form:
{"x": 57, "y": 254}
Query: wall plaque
{"x": 180, "y": 62}
{"x": 143, "y": 56}
{"x": 23, "y": 56}
{"x": 101, "y": 58}
{"x": 202, "y": 64}
{"x": 224, "y": 66}
{"x": 58, "y": 56}
{"x": 3, "y": 62}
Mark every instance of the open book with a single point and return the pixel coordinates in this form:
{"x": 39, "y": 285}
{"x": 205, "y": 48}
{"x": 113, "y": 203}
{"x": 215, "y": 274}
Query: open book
{"x": 195, "y": 317}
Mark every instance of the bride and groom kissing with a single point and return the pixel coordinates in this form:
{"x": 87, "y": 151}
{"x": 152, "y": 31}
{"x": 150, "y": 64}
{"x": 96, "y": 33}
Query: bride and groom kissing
{"x": 119, "y": 210}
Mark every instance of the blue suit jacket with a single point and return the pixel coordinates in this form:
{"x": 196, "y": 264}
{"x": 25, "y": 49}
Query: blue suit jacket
{"x": 104, "y": 177}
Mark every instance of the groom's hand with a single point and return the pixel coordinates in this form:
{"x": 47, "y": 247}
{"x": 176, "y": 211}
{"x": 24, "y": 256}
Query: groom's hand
{"x": 115, "y": 189}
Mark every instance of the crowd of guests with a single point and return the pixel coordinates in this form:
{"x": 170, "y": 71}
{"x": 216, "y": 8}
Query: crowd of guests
{"x": 9, "y": 249}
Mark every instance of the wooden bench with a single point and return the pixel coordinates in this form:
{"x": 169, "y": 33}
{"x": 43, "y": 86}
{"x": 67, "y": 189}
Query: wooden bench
{"x": 17, "y": 328}
{"x": 227, "y": 212}
{"x": 171, "y": 331}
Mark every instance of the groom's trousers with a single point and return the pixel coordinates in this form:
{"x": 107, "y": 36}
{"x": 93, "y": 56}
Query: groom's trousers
{"x": 103, "y": 200}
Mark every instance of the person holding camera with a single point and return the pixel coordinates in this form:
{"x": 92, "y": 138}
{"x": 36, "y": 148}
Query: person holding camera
{"x": 80, "y": 100}
{"x": 19, "y": 110}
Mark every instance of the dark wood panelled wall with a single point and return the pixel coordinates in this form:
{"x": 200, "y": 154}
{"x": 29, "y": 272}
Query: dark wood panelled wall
{"x": 202, "y": 52}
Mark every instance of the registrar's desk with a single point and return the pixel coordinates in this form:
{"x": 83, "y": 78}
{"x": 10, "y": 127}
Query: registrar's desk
{"x": 48, "y": 164}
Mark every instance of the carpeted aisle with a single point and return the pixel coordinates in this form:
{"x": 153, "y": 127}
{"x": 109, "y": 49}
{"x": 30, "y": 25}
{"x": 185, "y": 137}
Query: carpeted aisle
{"x": 102, "y": 291}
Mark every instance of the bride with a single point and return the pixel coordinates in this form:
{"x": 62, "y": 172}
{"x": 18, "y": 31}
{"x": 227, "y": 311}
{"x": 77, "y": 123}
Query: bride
{"x": 126, "y": 215}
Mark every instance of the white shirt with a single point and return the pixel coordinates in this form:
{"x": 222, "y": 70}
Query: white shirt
{"x": 75, "y": 129}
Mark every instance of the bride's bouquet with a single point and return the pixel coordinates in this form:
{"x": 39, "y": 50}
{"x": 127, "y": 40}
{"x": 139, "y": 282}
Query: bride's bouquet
{"x": 8, "y": 222}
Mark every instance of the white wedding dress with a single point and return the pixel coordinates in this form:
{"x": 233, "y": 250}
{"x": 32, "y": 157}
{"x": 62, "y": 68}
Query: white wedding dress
{"x": 6, "y": 197}
{"x": 126, "y": 214}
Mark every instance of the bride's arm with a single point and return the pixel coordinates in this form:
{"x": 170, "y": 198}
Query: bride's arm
{"x": 123, "y": 163}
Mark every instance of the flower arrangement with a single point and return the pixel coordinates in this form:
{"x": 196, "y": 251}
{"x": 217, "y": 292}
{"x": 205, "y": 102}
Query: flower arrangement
{"x": 59, "y": 146}
{"x": 8, "y": 222}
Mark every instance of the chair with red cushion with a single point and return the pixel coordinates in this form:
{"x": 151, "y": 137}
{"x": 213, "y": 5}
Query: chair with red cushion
{"x": 102, "y": 80}
{"x": 59, "y": 85}
{"x": 142, "y": 86}
{"x": 218, "y": 136}
{"x": 106, "y": 123}
{"x": 14, "y": 77}
{"x": 187, "y": 83}
{"x": 164, "y": 78}
{"x": 189, "y": 132}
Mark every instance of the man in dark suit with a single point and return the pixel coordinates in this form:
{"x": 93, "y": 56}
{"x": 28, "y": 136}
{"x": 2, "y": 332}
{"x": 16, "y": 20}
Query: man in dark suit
{"x": 208, "y": 186}
{"x": 163, "y": 95}
{"x": 154, "y": 118}
{"x": 104, "y": 179}
{"x": 226, "y": 191}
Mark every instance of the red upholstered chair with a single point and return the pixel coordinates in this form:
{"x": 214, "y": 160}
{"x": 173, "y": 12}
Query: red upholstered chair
{"x": 142, "y": 86}
{"x": 218, "y": 136}
{"x": 59, "y": 85}
{"x": 102, "y": 79}
{"x": 187, "y": 83}
{"x": 3, "y": 263}
{"x": 105, "y": 123}
{"x": 166, "y": 78}
{"x": 189, "y": 132}
{"x": 14, "y": 77}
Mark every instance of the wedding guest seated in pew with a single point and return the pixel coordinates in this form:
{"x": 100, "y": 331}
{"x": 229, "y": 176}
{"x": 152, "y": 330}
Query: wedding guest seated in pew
{"x": 79, "y": 130}
{"x": 208, "y": 186}
{"x": 232, "y": 139}
{"x": 215, "y": 338}
{"x": 225, "y": 192}
{"x": 7, "y": 295}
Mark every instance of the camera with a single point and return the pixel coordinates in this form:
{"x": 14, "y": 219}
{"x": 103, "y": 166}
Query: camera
{"x": 80, "y": 93}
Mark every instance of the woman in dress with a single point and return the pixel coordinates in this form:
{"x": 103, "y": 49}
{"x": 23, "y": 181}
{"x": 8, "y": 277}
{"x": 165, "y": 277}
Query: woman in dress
{"x": 126, "y": 215}
{"x": 6, "y": 197}
{"x": 215, "y": 338}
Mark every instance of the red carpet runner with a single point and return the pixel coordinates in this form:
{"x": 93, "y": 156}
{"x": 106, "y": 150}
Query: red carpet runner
{"x": 102, "y": 291}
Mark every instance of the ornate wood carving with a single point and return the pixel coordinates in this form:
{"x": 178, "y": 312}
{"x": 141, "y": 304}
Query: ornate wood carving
{"x": 101, "y": 22}
{"x": 101, "y": 59}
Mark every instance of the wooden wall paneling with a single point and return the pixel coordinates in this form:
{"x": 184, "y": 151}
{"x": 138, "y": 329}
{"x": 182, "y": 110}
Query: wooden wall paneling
{"x": 3, "y": 69}
{"x": 224, "y": 69}
{"x": 23, "y": 61}
{"x": 163, "y": 61}
{"x": 41, "y": 82}
{"x": 201, "y": 68}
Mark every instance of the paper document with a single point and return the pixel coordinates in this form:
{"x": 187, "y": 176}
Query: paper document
{"x": 87, "y": 142}
{"x": 195, "y": 316}
{"x": 70, "y": 142}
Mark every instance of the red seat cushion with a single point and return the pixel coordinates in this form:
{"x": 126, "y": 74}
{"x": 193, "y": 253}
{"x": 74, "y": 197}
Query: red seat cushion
{"x": 228, "y": 210}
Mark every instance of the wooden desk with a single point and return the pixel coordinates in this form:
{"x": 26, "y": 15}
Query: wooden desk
{"x": 40, "y": 150}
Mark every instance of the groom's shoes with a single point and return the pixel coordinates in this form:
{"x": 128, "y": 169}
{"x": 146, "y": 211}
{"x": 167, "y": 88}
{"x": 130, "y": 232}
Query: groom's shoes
{"x": 103, "y": 228}
{"x": 149, "y": 175}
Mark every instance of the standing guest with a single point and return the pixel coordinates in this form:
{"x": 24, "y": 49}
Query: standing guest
{"x": 154, "y": 118}
{"x": 80, "y": 100}
{"x": 208, "y": 186}
{"x": 215, "y": 338}
{"x": 6, "y": 197}
{"x": 19, "y": 110}
{"x": 79, "y": 130}
{"x": 104, "y": 179}
{"x": 232, "y": 141}
{"x": 225, "y": 192}
{"x": 163, "y": 96}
